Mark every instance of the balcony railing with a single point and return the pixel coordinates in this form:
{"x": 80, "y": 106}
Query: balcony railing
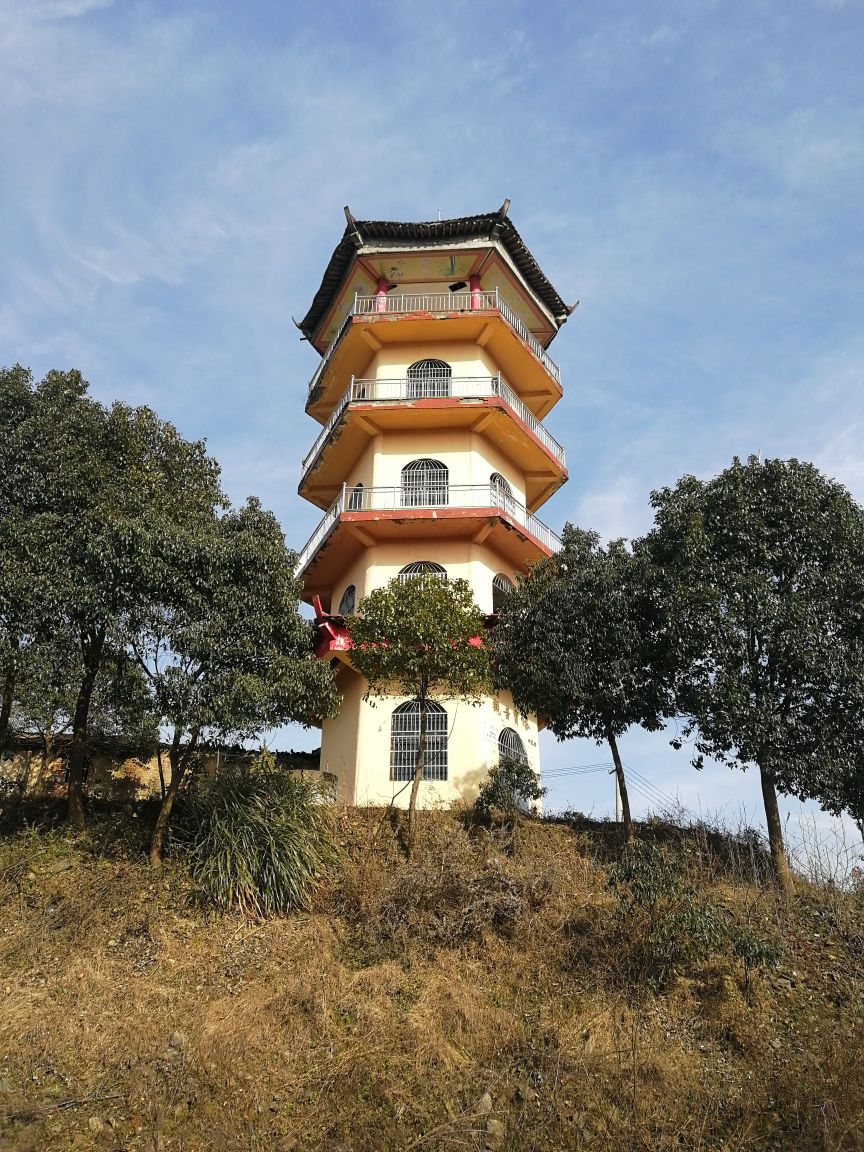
{"x": 427, "y": 388}
{"x": 416, "y": 499}
{"x": 439, "y": 302}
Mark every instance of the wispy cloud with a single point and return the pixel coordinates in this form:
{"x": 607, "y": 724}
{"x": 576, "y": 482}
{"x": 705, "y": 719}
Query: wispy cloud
{"x": 175, "y": 177}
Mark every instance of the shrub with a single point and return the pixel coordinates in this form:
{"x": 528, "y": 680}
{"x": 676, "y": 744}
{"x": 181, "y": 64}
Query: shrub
{"x": 511, "y": 786}
{"x": 667, "y": 920}
{"x": 262, "y": 839}
{"x": 668, "y": 923}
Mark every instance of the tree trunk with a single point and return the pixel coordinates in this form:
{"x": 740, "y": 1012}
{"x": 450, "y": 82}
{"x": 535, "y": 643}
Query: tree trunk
{"x": 78, "y": 749}
{"x": 622, "y": 787}
{"x": 6, "y": 704}
{"x": 418, "y": 775}
{"x": 179, "y": 763}
{"x": 782, "y": 871}
{"x": 162, "y": 789}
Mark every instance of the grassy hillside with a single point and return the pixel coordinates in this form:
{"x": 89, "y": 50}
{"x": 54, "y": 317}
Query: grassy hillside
{"x": 487, "y": 995}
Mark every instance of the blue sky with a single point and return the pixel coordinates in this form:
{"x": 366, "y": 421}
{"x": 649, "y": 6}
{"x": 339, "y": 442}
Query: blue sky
{"x": 692, "y": 172}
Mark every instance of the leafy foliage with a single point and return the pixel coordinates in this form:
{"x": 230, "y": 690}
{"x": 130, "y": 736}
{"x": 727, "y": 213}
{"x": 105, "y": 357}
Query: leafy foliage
{"x": 669, "y": 922}
{"x": 232, "y": 657}
{"x": 106, "y": 502}
{"x": 263, "y": 839}
{"x": 421, "y": 636}
{"x": 574, "y": 641}
{"x": 49, "y": 673}
{"x": 22, "y": 586}
{"x": 763, "y": 581}
{"x": 113, "y": 549}
{"x": 579, "y": 642}
{"x": 510, "y": 787}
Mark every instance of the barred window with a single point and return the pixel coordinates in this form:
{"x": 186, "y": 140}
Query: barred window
{"x": 510, "y": 745}
{"x": 405, "y": 740}
{"x": 500, "y": 491}
{"x": 502, "y": 586}
{"x": 425, "y": 484}
{"x": 349, "y": 599}
{"x": 424, "y": 568}
{"x": 428, "y": 378}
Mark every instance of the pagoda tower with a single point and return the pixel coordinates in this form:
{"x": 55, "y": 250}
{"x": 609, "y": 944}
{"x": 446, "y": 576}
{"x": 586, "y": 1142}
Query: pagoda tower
{"x": 432, "y": 458}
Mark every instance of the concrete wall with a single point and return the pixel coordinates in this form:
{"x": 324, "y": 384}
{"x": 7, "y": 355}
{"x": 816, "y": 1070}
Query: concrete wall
{"x": 465, "y": 358}
{"x": 356, "y": 748}
{"x": 463, "y": 560}
{"x": 469, "y": 457}
{"x": 23, "y": 769}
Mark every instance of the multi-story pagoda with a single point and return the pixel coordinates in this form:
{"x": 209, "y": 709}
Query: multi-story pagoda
{"x": 432, "y": 457}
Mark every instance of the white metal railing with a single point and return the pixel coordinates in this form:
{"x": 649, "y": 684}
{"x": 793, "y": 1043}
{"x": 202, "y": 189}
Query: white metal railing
{"x": 415, "y": 499}
{"x": 325, "y": 359}
{"x": 433, "y": 387}
{"x": 406, "y": 302}
{"x": 426, "y": 302}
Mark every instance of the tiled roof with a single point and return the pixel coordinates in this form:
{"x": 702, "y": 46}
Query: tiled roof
{"x": 491, "y": 225}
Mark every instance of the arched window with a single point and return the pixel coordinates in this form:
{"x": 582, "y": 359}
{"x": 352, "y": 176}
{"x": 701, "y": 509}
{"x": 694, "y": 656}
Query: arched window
{"x": 428, "y": 378}
{"x": 355, "y": 500}
{"x": 349, "y": 599}
{"x": 510, "y": 745}
{"x": 500, "y": 490}
{"x": 405, "y": 739}
{"x": 502, "y": 586}
{"x": 426, "y": 568}
{"x": 425, "y": 484}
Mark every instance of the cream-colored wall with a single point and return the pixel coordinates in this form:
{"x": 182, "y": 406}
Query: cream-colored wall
{"x": 361, "y": 735}
{"x": 469, "y": 457}
{"x": 340, "y": 741}
{"x": 463, "y": 560}
{"x": 364, "y": 467}
{"x": 356, "y": 574}
{"x": 464, "y": 356}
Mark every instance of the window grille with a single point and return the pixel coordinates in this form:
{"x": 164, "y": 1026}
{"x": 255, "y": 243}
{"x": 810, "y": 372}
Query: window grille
{"x": 349, "y": 599}
{"x": 510, "y": 745}
{"x": 428, "y": 378}
{"x": 425, "y": 484}
{"x": 355, "y": 500}
{"x": 405, "y": 740}
{"x": 502, "y": 586}
{"x": 426, "y": 568}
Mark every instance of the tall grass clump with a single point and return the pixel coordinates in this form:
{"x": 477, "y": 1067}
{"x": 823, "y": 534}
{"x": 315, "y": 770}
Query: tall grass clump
{"x": 262, "y": 838}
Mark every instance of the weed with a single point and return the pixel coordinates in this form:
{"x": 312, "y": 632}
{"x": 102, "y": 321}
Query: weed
{"x": 262, "y": 840}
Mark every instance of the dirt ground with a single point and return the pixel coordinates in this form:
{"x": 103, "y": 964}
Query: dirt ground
{"x": 487, "y": 994}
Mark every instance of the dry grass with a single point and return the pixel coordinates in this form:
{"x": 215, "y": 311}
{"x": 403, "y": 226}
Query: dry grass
{"x": 480, "y": 997}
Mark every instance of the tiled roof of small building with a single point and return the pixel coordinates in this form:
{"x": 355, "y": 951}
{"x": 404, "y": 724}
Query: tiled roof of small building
{"x": 491, "y": 225}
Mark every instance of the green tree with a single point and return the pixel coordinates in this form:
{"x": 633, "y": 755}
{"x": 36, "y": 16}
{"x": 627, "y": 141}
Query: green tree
{"x": 578, "y": 643}
{"x": 112, "y": 514}
{"x": 230, "y": 657}
{"x": 21, "y": 595}
{"x": 49, "y": 673}
{"x": 422, "y": 638}
{"x": 763, "y": 580}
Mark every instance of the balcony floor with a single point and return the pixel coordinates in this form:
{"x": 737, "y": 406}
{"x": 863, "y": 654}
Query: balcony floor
{"x": 367, "y": 334}
{"x": 353, "y": 532}
{"x": 490, "y": 417}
